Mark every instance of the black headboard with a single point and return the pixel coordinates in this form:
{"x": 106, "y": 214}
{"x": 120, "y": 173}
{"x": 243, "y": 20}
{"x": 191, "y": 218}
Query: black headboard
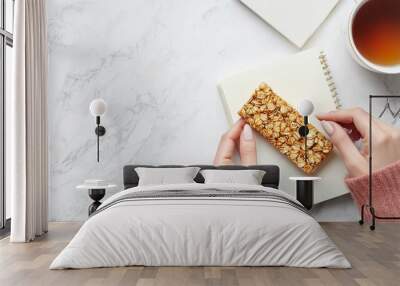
{"x": 270, "y": 179}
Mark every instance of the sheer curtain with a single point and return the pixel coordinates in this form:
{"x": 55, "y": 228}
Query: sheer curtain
{"x": 28, "y": 123}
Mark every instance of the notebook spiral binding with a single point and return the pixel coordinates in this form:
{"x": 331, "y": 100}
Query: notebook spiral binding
{"x": 329, "y": 79}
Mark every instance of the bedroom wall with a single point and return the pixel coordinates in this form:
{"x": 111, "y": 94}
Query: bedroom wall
{"x": 156, "y": 63}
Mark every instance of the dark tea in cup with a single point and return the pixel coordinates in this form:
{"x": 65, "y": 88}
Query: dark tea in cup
{"x": 376, "y": 31}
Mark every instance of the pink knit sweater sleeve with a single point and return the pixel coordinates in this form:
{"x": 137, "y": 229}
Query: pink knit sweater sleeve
{"x": 385, "y": 194}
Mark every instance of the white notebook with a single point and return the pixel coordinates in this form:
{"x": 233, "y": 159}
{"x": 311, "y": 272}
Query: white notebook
{"x": 297, "y": 20}
{"x": 296, "y": 77}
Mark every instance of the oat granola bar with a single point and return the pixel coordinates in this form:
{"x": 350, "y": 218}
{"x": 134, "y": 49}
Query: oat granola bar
{"x": 279, "y": 123}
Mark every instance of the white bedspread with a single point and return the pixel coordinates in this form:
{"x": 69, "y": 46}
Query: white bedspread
{"x": 200, "y": 231}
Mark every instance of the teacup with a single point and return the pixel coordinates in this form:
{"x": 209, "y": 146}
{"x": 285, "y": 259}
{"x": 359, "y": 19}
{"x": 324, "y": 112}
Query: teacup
{"x": 365, "y": 8}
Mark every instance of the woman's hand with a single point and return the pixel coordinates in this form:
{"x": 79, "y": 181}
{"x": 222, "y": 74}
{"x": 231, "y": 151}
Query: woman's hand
{"x": 241, "y": 138}
{"x": 344, "y": 127}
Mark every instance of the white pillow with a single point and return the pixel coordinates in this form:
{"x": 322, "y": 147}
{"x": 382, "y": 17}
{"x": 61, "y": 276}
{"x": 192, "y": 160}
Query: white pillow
{"x": 163, "y": 176}
{"x": 248, "y": 177}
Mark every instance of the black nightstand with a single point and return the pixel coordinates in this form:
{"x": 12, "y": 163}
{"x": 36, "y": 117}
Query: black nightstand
{"x": 96, "y": 193}
{"x": 305, "y": 190}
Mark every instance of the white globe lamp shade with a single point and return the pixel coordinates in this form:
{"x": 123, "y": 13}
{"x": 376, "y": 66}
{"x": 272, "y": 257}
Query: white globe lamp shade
{"x": 98, "y": 107}
{"x": 305, "y": 107}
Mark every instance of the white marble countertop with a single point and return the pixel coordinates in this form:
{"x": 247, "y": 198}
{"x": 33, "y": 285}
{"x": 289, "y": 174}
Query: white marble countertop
{"x": 157, "y": 63}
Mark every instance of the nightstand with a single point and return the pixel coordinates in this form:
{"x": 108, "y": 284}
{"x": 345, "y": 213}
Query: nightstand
{"x": 96, "y": 193}
{"x": 305, "y": 190}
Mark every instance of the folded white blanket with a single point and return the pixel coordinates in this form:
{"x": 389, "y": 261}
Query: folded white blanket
{"x": 200, "y": 224}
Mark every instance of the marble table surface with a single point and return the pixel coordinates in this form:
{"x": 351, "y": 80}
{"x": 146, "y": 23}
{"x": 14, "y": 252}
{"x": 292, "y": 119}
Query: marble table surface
{"x": 157, "y": 63}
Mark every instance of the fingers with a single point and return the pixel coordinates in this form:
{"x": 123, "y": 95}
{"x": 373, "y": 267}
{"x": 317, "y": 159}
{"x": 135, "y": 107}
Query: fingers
{"x": 225, "y": 152}
{"x": 352, "y": 131}
{"x": 357, "y": 121}
{"x": 235, "y": 131}
{"x": 227, "y": 145}
{"x": 356, "y": 116}
{"x": 247, "y": 146}
{"x": 355, "y": 163}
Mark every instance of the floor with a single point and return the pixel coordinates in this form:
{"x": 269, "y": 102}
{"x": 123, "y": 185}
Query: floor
{"x": 375, "y": 257}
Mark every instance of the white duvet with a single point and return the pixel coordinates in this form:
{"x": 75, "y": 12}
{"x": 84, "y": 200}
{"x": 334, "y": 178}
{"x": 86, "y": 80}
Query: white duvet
{"x": 200, "y": 231}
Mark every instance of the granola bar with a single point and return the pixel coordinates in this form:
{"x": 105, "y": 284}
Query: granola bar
{"x": 279, "y": 123}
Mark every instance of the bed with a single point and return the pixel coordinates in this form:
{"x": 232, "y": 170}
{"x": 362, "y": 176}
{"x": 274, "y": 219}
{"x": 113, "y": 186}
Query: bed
{"x": 199, "y": 224}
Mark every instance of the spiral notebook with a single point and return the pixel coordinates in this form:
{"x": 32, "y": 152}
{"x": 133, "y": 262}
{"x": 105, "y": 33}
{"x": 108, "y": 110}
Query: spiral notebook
{"x": 305, "y": 75}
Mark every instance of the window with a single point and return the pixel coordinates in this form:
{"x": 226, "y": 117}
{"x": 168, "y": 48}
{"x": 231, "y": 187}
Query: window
{"x": 6, "y": 44}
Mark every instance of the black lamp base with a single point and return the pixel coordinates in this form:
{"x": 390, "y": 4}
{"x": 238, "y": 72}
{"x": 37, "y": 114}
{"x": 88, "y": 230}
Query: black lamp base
{"x": 305, "y": 193}
{"x": 96, "y": 195}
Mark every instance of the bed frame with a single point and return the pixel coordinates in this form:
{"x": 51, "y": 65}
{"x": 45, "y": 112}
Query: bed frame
{"x": 270, "y": 179}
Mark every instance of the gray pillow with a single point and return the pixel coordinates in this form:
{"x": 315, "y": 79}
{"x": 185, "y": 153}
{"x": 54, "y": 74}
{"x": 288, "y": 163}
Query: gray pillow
{"x": 248, "y": 177}
{"x": 165, "y": 176}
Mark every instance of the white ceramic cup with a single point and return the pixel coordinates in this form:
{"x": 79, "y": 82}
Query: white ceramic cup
{"x": 357, "y": 56}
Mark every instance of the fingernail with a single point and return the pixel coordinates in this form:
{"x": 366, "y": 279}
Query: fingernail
{"x": 247, "y": 133}
{"x": 328, "y": 127}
